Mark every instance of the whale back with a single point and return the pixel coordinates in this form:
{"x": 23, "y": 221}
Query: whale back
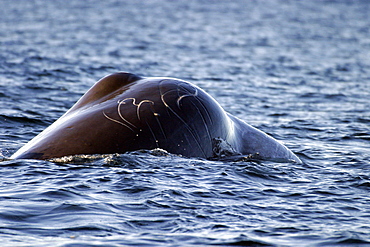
{"x": 124, "y": 112}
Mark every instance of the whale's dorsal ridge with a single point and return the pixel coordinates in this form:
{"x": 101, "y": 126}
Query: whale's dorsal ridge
{"x": 123, "y": 112}
{"x": 104, "y": 87}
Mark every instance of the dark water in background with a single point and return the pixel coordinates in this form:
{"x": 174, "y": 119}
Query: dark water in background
{"x": 298, "y": 70}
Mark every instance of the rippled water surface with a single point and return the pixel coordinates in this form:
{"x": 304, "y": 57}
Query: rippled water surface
{"x": 298, "y": 70}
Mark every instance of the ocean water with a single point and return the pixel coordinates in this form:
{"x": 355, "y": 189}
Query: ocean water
{"x": 298, "y": 70}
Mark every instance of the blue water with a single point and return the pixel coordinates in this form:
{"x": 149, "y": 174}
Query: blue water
{"x": 298, "y": 70}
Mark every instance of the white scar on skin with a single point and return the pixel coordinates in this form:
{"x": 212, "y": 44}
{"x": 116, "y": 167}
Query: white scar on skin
{"x": 124, "y": 121}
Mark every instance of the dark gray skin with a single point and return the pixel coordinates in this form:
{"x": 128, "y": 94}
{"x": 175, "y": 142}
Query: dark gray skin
{"x": 123, "y": 112}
